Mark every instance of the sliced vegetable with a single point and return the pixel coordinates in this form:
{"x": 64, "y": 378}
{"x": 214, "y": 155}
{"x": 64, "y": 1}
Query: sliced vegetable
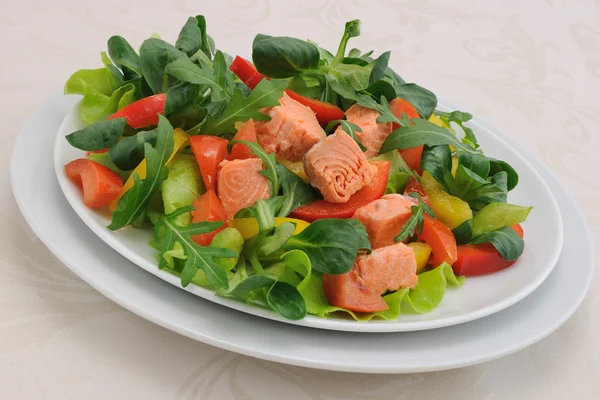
{"x": 209, "y": 152}
{"x": 451, "y": 210}
{"x": 246, "y": 71}
{"x": 496, "y": 215}
{"x": 144, "y": 112}
{"x": 320, "y": 209}
{"x": 481, "y": 259}
{"x": 100, "y": 185}
{"x": 208, "y": 208}
{"x": 240, "y": 151}
{"x": 248, "y": 227}
{"x": 402, "y": 108}
{"x": 441, "y": 240}
{"x": 422, "y": 253}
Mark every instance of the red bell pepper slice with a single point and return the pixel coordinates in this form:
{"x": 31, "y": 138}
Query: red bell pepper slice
{"x": 208, "y": 208}
{"x": 414, "y": 186}
{"x": 412, "y": 156}
{"x": 441, "y": 240}
{"x": 481, "y": 259}
{"x": 325, "y": 112}
{"x": 101, "y": 186}
{"x": 209, "y": 152}
{"x": 320, "y": 209}
{"x": 240, "y": 151}
{"x": 144, "y": 112}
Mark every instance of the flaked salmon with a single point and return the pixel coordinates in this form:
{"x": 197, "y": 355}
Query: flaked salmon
{"x": 384, "y": 218}
{"x": 385, "y": 269}
{"x": 338, "y": 168}
{"x": 373, "y": 134}
{"x": 240, "y": 184}
{"x": 292, "y": 130}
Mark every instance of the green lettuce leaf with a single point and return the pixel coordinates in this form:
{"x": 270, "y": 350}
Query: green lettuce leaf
{"x": 182, "y": 187}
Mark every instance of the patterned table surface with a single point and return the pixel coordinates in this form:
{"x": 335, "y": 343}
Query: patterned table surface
{"x": 531, "y": 68}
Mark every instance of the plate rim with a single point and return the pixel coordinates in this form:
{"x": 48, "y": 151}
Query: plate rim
{"x": 312, "y": 321}
{"x": 263, "y": 354}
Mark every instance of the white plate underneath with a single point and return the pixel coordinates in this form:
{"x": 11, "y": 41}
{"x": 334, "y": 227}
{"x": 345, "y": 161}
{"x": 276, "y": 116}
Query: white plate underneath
{"x": 52, "y": 219}
{"x": 477, "y": 298}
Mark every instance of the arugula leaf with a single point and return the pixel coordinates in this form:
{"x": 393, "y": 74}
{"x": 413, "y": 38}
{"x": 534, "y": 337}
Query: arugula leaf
{"x": 347, "y": 127}
{"x": 512, "y": 178}
{"x": 414, "y": 225}
{"x": 422, "y": 132}
{"x": 167, "y": 233}
{"x": 186, "y": 71}
{"x": 296, "y": 192}
{"x": 239, "y": 109}
{"x": 129, "y": 151}
{"x": 98, "y": 136}
{"x": 330, "y": 244}
{"x": 134, "y": 201}
{"x": 496, "y": 215}
{"x": 270, "y": 161}
{"x": 155, "y": 55}
{"x": 264, "y": 211}
{"x": 508, "y": 243}
{"x": 287, "y": 301}
{"x": 379, "y": 67}
{"x": 124, "y": 57}
{"x": 460, "y": 117}
{"x": 283, "y": 57}
{"x": 422, "y": 99}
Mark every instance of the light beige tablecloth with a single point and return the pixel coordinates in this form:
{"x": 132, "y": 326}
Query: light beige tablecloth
{"x": 531, "y": 68}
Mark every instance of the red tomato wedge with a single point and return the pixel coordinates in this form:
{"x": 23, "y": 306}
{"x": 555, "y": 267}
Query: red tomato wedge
{"x": 209, "y": 152}
{"x": 412, "y": 157}
{"x": 144, "y": 112}
{"x": 441, "y": 240}
{"x": 414, "y": 186}
{"x": 348, "y": 291}
{"x": 320, "y": 209}
{"x": 325, "y": 112}
{"x": 240, "y": 151}
{"x": 100, "y": 185}
{"x": 481, "y": 259}
{"x": 208, "y": 208}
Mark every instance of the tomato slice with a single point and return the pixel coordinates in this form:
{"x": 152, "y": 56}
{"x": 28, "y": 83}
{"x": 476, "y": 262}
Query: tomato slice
{"x": 209, "y": 152}
{"x": 412, "y": 156}
{"x": 247, "y": 72}
{"x": 481, "y": 259}
{"x": 320, "y": 209}
{"x": 101, "y": 186}
{"x": 240, "y": 151}
{"x": 144, "y": 112}
{"x": 414, "y": 186}
{"x": 441, "y": 240}
{"x": 208, "y": 208}
{"x": 325, "y": 112}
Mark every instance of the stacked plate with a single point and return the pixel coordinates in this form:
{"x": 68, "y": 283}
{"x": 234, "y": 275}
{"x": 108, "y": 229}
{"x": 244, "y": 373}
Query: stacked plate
{"x": 488, "y": 317}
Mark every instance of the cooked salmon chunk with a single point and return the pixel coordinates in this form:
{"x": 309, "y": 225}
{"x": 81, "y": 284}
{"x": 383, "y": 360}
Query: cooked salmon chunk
{"x": 384, "y": 218}
{"x": 338, "y": 168}
{"x": 292, "y": 130}
{"x": 373, "y": 134}
{"x": 385, "y": 269}
{"x": 240, "y": 184}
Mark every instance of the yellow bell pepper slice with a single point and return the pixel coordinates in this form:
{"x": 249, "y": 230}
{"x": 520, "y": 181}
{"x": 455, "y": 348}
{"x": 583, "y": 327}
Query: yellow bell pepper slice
{"x": 450, "y": 210}
{"x": 454, "y": 165}
{"x": 434, "y": 119}
{"x": 422, "y": 252}
{"x": 248, "y": 227}
{"x": 296, "y": 167}
{"x": 181, "y": 140}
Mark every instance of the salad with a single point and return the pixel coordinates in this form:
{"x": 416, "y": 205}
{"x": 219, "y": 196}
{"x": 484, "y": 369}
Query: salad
{"x": 305, "y": 181}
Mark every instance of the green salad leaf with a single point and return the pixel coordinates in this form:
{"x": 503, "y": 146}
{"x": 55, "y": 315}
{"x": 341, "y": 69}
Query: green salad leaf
{"x": 512, "y": 178}
{"x": 270, "y": 162}
{"x": 397, "y": 182}
{"x": 423, "y": 100}
{"x": 180, "y": 96}
{"x": 128, "y": 152}
{"x": 496, "y": 215}
{"x": 283, "y": 57}
{"x": 287, "y": 301}
{"x": 228, "y": 238}
{"x": 98, "y": 136}
{"x": 104, "y": 159}
{"x": 155, "y": 55}
{"x": 168, "y": 235}
{"x": 134, "y": 202}
{"x": 96, "y": 106}
{"x": 459, "y": 118}
{"x": 296, "y": 192}
{"x": 186, "y": 71}
{"x": 330, "y": 244}
{"x": 362, "y": 235}
{"x": 182, "y": 186}
{"x": 98, "y": 80}
{"x": 124, "y": 57}
{"x": 414, "y": 225}
{"x": 193, "y": 38}
{"x": 347, "y": 127}
{"x": 508, "y": 243}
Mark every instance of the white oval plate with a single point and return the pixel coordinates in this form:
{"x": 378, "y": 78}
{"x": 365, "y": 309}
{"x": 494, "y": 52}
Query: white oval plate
{"x": 44, "y": 207}
{"x": 478, "y": 297}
